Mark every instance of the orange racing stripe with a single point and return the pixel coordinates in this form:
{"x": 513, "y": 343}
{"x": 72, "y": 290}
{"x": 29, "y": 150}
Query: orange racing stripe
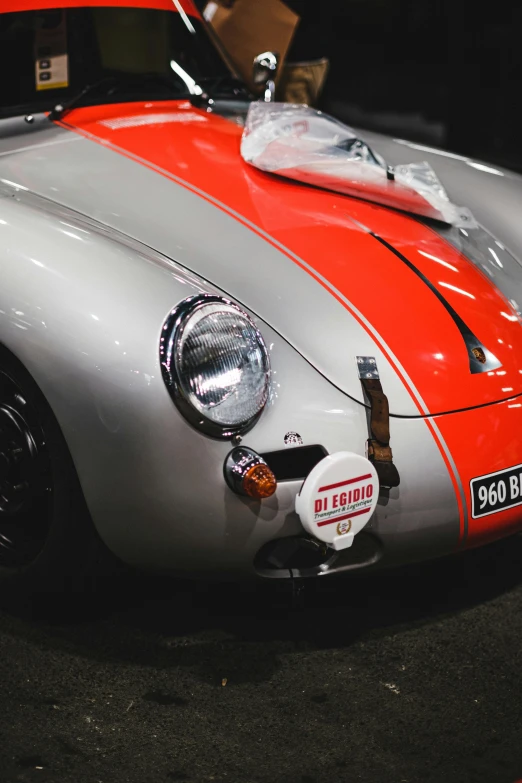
{"x": 11, "y": 6}
{"x": 317, "y": 226}
{"x": 129, "y": 111}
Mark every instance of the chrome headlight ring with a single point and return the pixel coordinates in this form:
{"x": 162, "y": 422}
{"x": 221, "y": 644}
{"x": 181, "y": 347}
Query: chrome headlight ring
{"x": 215, "y": 365}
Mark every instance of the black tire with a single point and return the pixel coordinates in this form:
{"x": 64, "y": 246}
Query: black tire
{"x": 51, "y": 556}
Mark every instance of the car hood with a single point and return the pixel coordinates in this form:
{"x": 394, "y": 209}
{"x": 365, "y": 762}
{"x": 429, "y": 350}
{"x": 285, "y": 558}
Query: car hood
{"x": 337, "y": 277}
{"x": 491, "y": 192}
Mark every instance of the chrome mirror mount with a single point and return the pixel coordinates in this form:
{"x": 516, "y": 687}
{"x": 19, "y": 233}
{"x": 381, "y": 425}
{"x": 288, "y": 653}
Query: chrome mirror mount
{"x": 264, "y": 72}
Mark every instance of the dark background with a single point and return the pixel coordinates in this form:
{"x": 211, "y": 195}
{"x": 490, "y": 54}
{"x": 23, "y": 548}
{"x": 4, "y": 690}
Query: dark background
{"x": 443, "y": 72}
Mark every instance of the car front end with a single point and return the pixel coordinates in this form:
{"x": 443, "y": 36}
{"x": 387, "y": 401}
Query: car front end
{"x": 236, "y": 362}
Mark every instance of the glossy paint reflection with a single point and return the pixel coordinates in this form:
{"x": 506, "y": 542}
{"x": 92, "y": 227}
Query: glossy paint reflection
{"x": 318, "y": 227}
{"x": 64, "y": 295}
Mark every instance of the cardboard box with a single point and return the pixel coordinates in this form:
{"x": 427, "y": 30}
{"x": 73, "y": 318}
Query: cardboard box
{"x": 247, "y": 28}
{"x": 303, "y": 82}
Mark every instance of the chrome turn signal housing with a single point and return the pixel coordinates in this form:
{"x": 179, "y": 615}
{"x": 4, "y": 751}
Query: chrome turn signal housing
{"x": 247, "y": 473}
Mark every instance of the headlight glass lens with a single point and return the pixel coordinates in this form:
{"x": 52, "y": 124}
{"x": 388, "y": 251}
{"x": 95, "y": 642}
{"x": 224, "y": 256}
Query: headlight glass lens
{"x": 221, "y": 364}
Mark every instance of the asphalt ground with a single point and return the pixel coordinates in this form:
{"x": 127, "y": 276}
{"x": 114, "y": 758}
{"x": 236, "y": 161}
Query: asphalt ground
{"x": 407, "y": 676}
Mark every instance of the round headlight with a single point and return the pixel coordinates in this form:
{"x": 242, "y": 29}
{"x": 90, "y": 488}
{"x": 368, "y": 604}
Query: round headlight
{"x": 215, "y": 363}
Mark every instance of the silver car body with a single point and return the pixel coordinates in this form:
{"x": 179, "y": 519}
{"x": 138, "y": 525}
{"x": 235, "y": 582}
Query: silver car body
{"x": 95, "y": 251}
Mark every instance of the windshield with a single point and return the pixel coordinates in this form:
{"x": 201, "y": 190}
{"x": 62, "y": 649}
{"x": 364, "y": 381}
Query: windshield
{"x": 51, "y": 54}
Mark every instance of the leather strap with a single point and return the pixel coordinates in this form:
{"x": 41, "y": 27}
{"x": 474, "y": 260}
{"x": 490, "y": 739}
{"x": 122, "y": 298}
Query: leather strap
{"x": 379, "y": 451}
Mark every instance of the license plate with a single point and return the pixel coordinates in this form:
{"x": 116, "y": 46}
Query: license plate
{"x": 496, "y": 491}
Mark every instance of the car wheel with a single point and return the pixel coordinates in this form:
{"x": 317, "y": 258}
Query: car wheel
{"x": 49, "y": 549}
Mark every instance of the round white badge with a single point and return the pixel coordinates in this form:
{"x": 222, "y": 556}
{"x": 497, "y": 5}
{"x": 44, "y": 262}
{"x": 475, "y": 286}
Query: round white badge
{"x": 338, "y": 498}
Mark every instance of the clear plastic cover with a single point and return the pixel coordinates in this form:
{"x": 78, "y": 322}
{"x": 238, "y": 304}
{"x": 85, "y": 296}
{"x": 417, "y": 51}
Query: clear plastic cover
{"x": 304, "y": 144}
{"x": 222, "y": 365}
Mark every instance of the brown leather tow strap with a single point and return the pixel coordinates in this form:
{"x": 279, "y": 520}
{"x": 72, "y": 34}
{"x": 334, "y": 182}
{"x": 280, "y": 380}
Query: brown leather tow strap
{"x": 379, "y": 451}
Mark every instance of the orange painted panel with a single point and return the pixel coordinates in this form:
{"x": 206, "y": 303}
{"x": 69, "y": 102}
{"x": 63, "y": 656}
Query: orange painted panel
{"x": 10, "y": 6}
{"x": 201, "y": 151}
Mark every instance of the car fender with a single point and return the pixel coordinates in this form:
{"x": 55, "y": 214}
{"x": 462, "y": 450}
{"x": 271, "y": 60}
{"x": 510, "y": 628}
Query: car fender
{"x": 82, "y": 307}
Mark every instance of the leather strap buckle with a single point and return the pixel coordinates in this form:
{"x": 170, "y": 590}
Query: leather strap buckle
{"x": 379, "y": 451}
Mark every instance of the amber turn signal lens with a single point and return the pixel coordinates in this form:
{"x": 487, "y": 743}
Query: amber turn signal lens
{"x": 259, "y": 482}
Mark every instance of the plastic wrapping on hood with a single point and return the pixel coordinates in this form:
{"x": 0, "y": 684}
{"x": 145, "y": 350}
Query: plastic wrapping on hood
{"x": 306, "y": 145}
{"x": 494, "y": 260}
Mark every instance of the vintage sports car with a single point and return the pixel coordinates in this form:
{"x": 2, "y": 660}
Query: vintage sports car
{"x": 215, "y": 365}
